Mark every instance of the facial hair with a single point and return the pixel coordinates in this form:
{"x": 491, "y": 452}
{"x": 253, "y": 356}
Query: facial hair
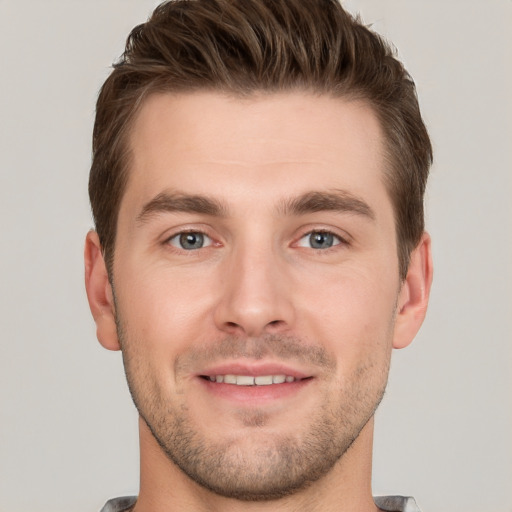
{"x": 275, "y": 465}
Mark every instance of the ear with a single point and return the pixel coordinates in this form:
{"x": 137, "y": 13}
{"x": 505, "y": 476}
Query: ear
{"x": 414, "y": 294}
{"x": 99, "y": 293}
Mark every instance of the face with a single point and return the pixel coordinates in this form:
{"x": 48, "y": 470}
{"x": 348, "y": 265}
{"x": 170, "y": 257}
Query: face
{"x": 256, "y": 284}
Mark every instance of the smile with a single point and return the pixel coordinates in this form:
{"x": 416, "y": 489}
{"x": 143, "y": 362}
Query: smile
{"x": 254, "y": 385}
{"x": 249, "y": 380}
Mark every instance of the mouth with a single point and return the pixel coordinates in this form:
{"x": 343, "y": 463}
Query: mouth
{"x": 254, "y": 384}
{"x": 251, "y": 380}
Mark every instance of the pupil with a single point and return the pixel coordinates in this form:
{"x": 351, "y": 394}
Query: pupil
{"x": 191, "y": 240}
{"x": 321, "y": 240}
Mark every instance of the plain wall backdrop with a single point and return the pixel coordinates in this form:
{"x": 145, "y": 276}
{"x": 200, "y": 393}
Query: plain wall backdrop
{"x": 68, "y": 429}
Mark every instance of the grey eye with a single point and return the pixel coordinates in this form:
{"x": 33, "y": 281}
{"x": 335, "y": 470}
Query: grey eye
{"x": 190, "y": 241}
{"x": 319, "y": 240}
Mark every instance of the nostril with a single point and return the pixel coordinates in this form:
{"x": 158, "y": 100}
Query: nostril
{"x": 275, "y": 323}
{"x": 233, "y": 328}
{"x": 253, "y": 329}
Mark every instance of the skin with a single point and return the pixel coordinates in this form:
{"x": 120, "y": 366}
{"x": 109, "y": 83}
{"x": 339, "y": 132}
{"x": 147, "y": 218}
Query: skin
{"x": 256, "y": 298}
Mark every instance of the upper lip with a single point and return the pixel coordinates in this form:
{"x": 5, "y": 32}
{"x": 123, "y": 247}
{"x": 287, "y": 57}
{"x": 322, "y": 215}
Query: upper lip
{"x": 255, "y": 369}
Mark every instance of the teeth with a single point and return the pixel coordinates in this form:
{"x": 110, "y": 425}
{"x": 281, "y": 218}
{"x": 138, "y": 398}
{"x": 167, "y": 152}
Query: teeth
{"x": 248, "y": 380}
{"x": 242, "y": 380}
{"x": 263, "y": 380}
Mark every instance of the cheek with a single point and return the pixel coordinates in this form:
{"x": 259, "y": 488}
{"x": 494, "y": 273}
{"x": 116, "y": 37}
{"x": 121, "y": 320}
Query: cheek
{"x": 353, "y": 314}
{"x": 161, "y": 307}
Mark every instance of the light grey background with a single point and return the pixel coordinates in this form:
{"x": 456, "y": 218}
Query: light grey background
{"x": 68, "y": 433}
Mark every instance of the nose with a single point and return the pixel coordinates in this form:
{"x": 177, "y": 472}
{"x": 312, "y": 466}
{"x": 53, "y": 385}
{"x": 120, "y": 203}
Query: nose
{"x": 255, "y": 295}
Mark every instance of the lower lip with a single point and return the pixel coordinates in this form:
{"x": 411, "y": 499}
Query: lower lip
{"x": 252, "y": 394}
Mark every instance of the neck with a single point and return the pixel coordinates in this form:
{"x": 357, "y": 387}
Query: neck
{"x": 346, "y": 487}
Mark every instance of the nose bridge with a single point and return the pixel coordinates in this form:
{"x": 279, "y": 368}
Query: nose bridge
{"x": 254, "y": 296}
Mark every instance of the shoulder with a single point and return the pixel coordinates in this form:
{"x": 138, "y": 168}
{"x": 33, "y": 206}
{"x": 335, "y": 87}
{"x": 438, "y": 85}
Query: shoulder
{"x": 396, "y": 503}
{"x": 119, "y": 504}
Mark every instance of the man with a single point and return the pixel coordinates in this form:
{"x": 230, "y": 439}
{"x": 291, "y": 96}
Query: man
{"x": 257, "y": 187}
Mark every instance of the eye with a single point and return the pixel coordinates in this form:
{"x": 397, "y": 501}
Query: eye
{"x": 190, "y": 240}
{"x": 319, "y": 240}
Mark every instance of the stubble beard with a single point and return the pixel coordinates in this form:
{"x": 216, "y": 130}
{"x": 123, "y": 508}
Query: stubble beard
{"x": 277, "y": 465}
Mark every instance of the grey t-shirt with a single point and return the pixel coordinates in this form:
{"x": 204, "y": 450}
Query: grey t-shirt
{"x": 389, "y": 503}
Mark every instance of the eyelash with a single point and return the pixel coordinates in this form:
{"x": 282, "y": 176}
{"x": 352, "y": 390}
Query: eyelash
{"x": 337, "y": 239}
{"x": 180, "y": 234}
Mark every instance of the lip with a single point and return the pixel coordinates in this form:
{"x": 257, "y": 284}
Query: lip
{"x": 254, "y": 395}
{"x": 254, "y": 370}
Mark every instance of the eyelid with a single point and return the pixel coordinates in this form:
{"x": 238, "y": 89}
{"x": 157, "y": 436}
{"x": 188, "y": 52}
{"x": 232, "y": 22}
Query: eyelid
{"x": 337, "y": 240}
{"x": 206, "y": 239}
{"x": 175, "y": 233}
{"x": 342, "y": 238}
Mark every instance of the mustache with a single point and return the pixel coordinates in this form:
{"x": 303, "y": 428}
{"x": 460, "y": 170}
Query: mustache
{"x": 277, "y": 346}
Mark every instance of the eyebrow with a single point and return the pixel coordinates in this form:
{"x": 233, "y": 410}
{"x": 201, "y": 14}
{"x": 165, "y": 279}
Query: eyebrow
{"x": 318, "y": 201}
{"x": 310, "y": 202}
{"x": 167, "y": 202}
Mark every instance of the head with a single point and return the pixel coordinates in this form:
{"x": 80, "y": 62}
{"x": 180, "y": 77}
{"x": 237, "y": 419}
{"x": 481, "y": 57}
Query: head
{"x": 257, "y": 186}
{"x": 247, "y": 47}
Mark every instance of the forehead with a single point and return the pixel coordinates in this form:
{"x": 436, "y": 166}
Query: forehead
{"x": 264, "y": 144}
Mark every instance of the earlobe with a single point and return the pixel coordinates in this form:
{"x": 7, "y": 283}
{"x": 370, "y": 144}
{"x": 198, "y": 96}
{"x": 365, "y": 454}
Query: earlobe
{"x": 414, "y": 294}
{"x": 99, "y": 293}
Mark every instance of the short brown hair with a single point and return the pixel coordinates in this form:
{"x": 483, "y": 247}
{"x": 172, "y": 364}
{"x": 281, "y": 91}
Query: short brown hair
{"x": 246, "y": 46}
